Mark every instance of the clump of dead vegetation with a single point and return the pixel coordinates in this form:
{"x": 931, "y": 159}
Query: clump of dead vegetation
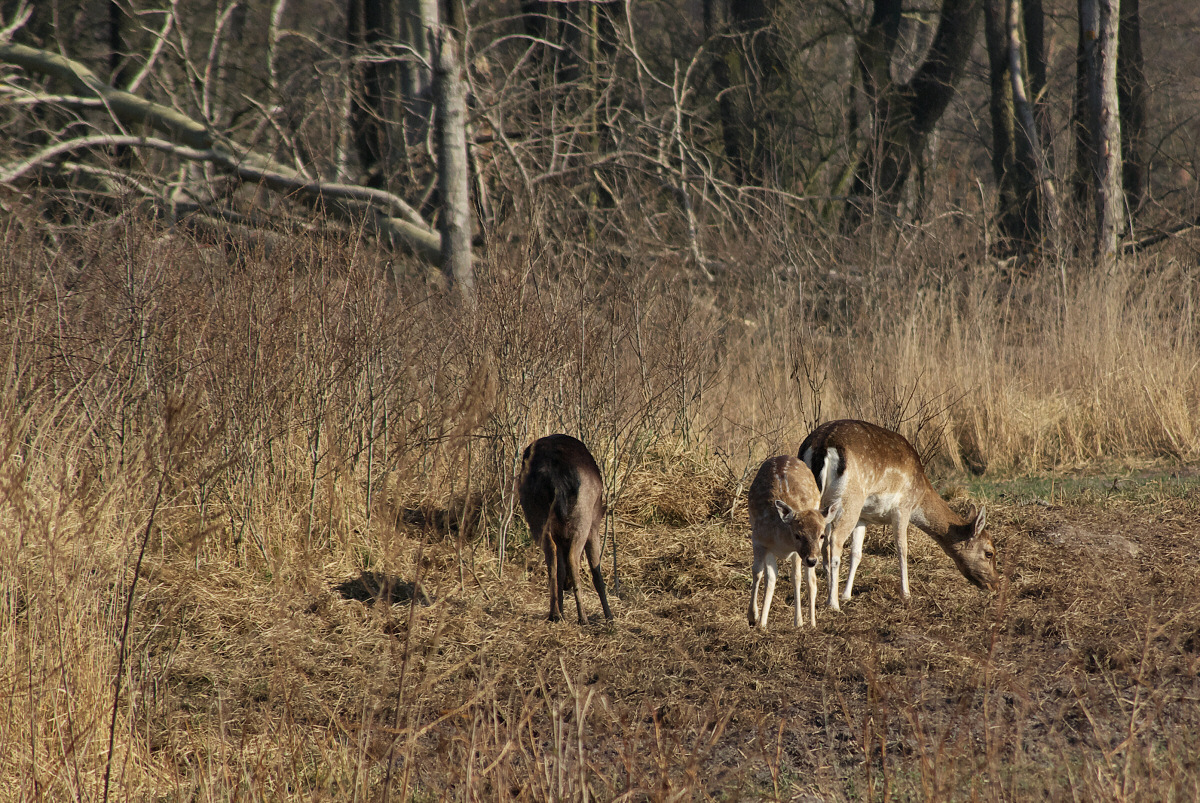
{"x": 259, "y": 536}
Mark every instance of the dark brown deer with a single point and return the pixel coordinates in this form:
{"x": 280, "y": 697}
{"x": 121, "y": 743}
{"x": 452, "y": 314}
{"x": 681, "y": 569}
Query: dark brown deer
{"x": 562, "y": 494}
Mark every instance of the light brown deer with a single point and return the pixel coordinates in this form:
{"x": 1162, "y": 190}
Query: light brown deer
{"x": 785, "y": 521}
{"x": 562, "y": 494}
{"x": 877, "y": 476}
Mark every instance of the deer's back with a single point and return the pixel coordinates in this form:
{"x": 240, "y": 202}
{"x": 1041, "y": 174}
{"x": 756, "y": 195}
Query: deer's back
{"x": 881, "y": 461}
{"x": 560, "y": 476}
{"x": 785, "y": 478}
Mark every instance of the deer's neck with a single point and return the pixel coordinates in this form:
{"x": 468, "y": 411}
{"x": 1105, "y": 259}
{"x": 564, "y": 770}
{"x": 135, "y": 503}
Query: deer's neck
{"x": 936, "y": 518}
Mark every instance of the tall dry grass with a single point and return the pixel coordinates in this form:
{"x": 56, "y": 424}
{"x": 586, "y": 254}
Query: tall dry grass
{"x": 1016, "y": 373}
{"x": 200, "y": 442}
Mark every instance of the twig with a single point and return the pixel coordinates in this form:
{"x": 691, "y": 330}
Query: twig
{"x": 122, "y": 643}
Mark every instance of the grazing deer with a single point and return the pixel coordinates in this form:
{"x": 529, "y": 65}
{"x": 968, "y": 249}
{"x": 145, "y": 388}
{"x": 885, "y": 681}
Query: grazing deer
{"x": 562, "y": 494}
{"x": 877, "y": 476}
{"x": 785, "y": 520}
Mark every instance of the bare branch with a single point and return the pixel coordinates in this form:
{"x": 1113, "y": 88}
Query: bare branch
{"x": 190, "y": 139}
{"x": 124, "y": 105}
{"x": 112, "y": 178}
{"x": 160, "y": 40}
{"x": 19, "y": 96}
{"x": 11, "y": 173}
{"x": 20, "y": 16}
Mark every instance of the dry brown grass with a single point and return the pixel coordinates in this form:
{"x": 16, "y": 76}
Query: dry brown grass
{"x": 325, "y": 445}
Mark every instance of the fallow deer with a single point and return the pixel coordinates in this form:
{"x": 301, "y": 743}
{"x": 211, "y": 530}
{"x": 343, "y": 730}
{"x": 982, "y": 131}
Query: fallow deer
{"x": 562, "y": 494}
{"x": 785, "y": 521}
{"x": 878, "y": 478}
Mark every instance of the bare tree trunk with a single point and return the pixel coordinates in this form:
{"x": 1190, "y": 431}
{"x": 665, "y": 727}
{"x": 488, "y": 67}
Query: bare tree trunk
{"x": 548, "y": 26}
{"x": 1081, "y": 175}
{"x": 1013, "y": 163}
{"x": 453, "y": 171}
{"x": 906, "y": 114}
{"x": 1029, "y": 126}
{"x": 417, "y": 18}
{"x": 746, "y": 69}
{"x": 118, "y": 66}
{"x": 1131, "y": 97}
{"x": 1098, "y": 21}
{"x": 376, "y": 113}
{"x": 117, "y": 49}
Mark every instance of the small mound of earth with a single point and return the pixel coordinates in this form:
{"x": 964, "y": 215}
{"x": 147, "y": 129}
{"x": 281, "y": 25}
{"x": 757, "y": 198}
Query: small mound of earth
{"x": 1104, "y": 545}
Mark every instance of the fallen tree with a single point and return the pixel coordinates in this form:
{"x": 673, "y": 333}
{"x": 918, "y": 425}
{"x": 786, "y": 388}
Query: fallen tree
{"x": 390, "y": 217}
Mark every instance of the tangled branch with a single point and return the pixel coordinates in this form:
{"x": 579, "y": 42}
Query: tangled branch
{"x": 392, "y": 218}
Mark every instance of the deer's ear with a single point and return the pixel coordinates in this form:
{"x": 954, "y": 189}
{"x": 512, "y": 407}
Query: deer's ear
{"x": 785, "y": 512}
{"x": 980, "y": 520}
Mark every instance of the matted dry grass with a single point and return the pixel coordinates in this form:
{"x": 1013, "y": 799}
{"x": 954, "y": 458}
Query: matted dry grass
{"x": 1079, "y": 678}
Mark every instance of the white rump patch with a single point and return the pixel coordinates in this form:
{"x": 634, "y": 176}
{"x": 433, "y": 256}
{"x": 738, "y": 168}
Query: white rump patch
{"x": 807, "y": 458}
{"x": 832, "y": 486}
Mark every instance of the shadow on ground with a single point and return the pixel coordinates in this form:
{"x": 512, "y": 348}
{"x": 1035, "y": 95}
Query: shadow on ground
{"x": 372, "y": 587}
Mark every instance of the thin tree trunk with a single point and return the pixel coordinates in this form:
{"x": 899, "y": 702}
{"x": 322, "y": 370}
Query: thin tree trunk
{"x": 453, "y": 170}
{"x": 727, "y": 73}
{"x": 1017, "y": 214}
{"x": 118, "y": 66}
{"x": 874, "y": 51}
{"x": 745, "y": 69}
{"x": 1033, "y": 23}
{"x": 1131, "y": 97}
{"x": 117, "y": 49}
{"x": 1081, "y": 175}
{"x": 1098, "y": 21}
{"x": 546, "y": 25}
{"x": 372, "y": 23}
{"x": 1029, "y": 126}
{"x": 417, "y": 18}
